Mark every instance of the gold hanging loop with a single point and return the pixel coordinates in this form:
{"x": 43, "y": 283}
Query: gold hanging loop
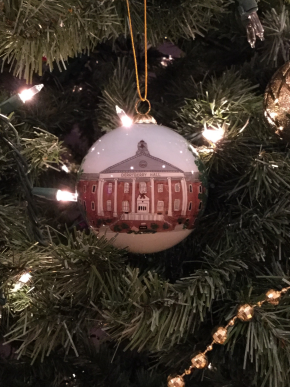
{"x": 142, "y": 99}
{"x": 138, "y": 103}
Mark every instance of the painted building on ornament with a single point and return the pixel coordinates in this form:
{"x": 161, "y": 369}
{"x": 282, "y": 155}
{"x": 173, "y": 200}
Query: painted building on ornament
{"x": 140, "y": 194}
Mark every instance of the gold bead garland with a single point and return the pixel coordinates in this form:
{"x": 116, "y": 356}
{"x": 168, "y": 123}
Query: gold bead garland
{"x": 244, "y": 313}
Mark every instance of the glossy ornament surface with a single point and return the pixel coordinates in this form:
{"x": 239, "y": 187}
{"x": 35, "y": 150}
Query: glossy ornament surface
{"x": 277, "y": 102}
{"x": 141, "y": 184}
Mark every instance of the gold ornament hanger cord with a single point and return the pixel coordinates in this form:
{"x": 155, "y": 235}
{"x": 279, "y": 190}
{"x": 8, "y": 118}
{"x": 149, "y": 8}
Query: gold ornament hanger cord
{"x": 245, "y": 313}
{"x": 142, "y": 99}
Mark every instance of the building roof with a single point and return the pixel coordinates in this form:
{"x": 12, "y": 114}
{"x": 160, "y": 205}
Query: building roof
{"x": 142, "y": 161}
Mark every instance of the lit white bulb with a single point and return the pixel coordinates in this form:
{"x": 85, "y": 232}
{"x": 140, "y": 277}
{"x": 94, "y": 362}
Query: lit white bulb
{"x": 65, "y": 168}
{"x": 66, "y": 196}
{"x": 213, "y": 135}
{"x": 25, "y": 278}
{"x": 126, "y": 120}
{"x": 27, "y": 94}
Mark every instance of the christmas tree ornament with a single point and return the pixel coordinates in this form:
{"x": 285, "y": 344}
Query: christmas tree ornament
{"x": 248, "y": 11}
{"x": 140, "y": 184}
{"x": 175, "y": 381}
{"x": 277, "y": 102}
{"x": 273, "y": 297}
{"x": 199, "y": 361}
{"x": 245, "y": 312}
{"x": 220, "y": 335}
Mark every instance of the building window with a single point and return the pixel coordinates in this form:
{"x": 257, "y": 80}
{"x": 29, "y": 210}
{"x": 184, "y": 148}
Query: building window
{"x": 160, "y": 187}
{"x": 200, "y": 205}
{"x": 85, "y": 188}
{"x": 125, "y": 206}
{"x": 94, "y": 188}
{"x": 110, "y": 188}
{"x": 126, "y": 188}
{"x": 190, "y": 206}
{"x": 190, "y": 187}
{"x": 109, "y": 205}
{"x": 160, "y": 206}
{"x": 176, "y": 204}
{"x": 177, "y": 187}
{"x": 85, "y": 204}
{"x": 93, "y": 206}
{"x": 200, "y": 189}
{"x": 142, "y": 187}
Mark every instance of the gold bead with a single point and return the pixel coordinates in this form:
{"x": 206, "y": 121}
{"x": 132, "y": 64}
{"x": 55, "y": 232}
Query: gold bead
{"x": 209, "y": 347}
{"x": 175, "y": 381}
{"x": 187, "y": 372}
{"x": 220, "y": 335}
{"x": 273, "y": 297}
{"x": 245, "y": 312}
{"x": 199, "y": 361}
{"x": 232, "y": 322}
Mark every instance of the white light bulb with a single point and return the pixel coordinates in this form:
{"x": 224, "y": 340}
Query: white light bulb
{"x": 25, "y": 278}
{"x": 65, "y": 168}
{"x": 213, "y": 135}
{"x": 66, "y": 196}
{"x": 16, "y": 287}
{"x": 126, "y": 120}
{"x": 27, "y": 94}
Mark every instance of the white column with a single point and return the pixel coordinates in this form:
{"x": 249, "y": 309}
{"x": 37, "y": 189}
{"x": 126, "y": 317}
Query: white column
{"x": 152, "y": 195}
{"x": 170, "y": 197}
{"x": 101, "y": 210}
{"x": 115, "y": 197}
{"x": 99, "y": 196}
{"x": 184, "y": 196}
{"x": 133, "y": 195}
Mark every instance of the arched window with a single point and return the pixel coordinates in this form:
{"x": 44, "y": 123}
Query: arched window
{"x": 109, "y": 205}
{"x": 200, "y": 189}
{"x": 110, "y": 188}
{"x": 200, "y": 205}
{"x": 160, "y": 187}
{"x": 94, "y": 188}
{"x": 93, "y": 206}
{"x": 177, "y": 187}
{"x": 126, "y": 188}
{"x": 190, "y": 187}
{"x": 85, "y": 188}
{"x": 190, "y": 206}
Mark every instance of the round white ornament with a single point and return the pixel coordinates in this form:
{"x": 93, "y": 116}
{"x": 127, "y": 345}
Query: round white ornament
{"x": 141, "y": 184}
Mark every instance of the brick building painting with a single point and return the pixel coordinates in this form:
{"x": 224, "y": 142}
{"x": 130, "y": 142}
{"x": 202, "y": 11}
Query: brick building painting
{"x": 141, "y": 194}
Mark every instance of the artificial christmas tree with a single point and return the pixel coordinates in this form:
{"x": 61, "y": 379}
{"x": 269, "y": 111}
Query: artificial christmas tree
{"x": 77, "y": 311}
